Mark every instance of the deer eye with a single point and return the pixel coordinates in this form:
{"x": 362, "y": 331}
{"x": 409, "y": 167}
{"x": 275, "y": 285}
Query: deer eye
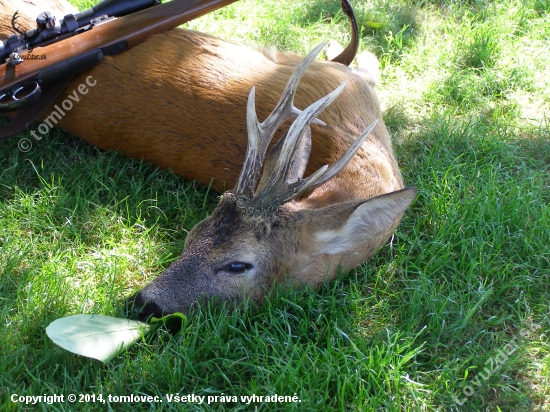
{"x": 237, "y": 267}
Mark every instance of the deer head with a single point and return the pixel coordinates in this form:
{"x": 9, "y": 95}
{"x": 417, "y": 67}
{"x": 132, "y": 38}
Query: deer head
{"x": 261, "y": 233}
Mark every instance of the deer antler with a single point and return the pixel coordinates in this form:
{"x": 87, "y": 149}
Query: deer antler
{"x": 260, "y": 134}
{"x": 282, "y": 180}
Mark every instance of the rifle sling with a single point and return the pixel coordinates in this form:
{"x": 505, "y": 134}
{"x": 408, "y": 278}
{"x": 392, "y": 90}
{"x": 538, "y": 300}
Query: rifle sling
{"x": 29, "y": 114}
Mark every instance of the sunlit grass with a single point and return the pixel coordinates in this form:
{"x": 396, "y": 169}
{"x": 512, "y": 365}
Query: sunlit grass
{"x": 465, "y": 87}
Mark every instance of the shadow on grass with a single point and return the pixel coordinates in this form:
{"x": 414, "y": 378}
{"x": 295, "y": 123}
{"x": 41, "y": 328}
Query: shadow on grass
{"x": 91, "y": 179}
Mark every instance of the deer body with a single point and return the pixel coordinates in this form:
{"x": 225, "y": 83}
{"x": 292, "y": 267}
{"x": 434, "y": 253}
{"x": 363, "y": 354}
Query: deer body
{"x": 189, "y": 115}
{"x": 179, "y": 100}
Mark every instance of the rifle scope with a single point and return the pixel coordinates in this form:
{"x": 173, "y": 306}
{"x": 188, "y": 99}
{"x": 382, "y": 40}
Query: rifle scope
{"x": 48, "y": 30}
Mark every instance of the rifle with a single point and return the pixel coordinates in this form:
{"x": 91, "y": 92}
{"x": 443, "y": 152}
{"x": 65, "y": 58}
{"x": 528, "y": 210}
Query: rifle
{"x": 78, "y": 43}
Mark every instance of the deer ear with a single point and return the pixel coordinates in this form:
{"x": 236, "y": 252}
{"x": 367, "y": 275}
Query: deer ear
{"x": 349, "y": 227}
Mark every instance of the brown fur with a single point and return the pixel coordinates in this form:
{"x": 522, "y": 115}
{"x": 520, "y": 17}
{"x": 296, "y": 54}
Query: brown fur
{"x": 189, "y": 115}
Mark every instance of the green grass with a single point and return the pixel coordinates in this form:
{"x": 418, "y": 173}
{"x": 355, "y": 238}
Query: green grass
{"x": 466, "y": 94}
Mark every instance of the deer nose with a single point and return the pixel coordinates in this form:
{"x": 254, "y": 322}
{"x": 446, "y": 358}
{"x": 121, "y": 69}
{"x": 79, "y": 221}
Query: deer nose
{"x": 144, "y": 309}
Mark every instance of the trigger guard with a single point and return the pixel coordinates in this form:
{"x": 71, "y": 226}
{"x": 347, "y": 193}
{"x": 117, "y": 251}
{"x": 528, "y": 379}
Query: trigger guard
{"x": 18, "y": 104}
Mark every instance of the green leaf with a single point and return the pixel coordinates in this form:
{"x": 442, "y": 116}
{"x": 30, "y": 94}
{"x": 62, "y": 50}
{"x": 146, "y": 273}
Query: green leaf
{"x": 375, "y": 24}
{"x": 176, "y": 317}
{"x": 97, "y": 336}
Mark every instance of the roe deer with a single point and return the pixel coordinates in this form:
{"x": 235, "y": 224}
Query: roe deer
{"x": 179, "y": 100}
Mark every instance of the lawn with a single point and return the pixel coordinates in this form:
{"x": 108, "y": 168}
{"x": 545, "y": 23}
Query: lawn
{"x": 453, "y": 314}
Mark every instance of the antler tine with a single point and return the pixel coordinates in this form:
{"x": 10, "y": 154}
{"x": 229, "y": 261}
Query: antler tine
{"x": 326, "y": 173}
{"x": 277, "y": 187}
{"x": 260, "y": 134}
{"x": 286, "y": 103}
{"x": 299, "y": 128}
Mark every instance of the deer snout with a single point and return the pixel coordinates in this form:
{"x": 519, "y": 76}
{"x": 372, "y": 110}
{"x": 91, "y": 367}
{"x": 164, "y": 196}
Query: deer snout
{"x": 180, "y": 287}
{"x": 145, "y": 309}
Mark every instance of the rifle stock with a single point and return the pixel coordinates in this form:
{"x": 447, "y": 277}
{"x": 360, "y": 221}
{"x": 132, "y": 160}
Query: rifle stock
{"x": 64, "y": 57}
